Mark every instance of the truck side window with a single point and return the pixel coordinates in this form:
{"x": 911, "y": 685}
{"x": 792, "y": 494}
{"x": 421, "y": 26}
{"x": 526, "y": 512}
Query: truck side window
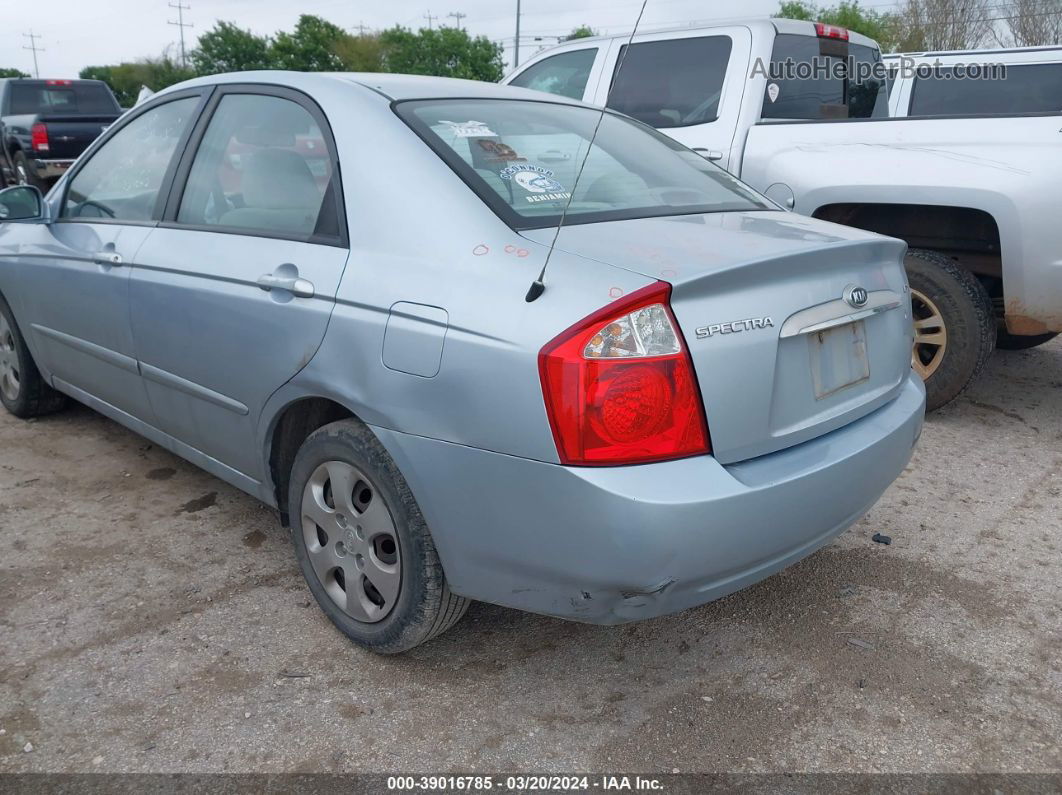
{"x": 1025, "y": 88}
{"x": 564, "y": 74}
{"x": 673, "y": 83}
{"x": 121, "y": 181}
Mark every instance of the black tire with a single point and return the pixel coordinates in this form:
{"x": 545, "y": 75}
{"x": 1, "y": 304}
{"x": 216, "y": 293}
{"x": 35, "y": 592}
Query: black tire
{"x": 424, "y": 606}
{"x": 1016, "y": 342}
{"x": 32, "y": 396}
{"x": 24, "y": 173}
{"x": 966, "y": 311}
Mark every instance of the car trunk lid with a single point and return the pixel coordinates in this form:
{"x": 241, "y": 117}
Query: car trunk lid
{"x": 781, "y": 353}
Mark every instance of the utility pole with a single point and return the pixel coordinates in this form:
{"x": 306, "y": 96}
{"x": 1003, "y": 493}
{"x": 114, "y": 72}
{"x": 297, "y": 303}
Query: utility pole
{"x": 516, "y": 53}
{"x": 33, "y": 46}
{"x": 361, "y": 28}
{"x": 181, "y": 25}
{"x": 429, "y": 17}
{"x": 458, "y": 16}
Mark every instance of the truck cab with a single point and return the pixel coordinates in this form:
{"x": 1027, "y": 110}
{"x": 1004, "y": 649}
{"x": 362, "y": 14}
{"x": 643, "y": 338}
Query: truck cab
{"x": 706, "y": 86}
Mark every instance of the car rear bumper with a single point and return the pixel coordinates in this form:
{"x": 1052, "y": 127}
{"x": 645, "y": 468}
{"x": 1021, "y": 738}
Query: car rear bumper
{"x": 51, "y": 169}
{"x": 610, "y": 545}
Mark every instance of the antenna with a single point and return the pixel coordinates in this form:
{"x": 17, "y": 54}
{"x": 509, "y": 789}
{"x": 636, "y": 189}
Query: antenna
{"x": 538, "y": 286}
{"x": 458, "y": 16}
{"x": 181, "y": 25}
{"x": 33, "y": 46}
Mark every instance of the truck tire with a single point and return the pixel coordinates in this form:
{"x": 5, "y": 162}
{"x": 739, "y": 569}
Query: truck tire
{"x": 363, "y": 545}
{"x": 1017, "y": 342}
{"x": 23, "y": 391}
{"x": 955, "y": 330}
{"x": 24, "y": 173}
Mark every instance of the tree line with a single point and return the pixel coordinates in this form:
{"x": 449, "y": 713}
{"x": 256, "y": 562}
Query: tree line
{"x": 921, "y": 25}
{"x": 315, "y": 45}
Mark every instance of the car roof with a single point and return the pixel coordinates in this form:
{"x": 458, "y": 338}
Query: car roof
{"x": 389, "y": 86}
{"x": 1049, "y": 48}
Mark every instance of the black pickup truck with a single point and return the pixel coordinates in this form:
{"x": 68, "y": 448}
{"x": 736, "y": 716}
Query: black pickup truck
{"x": 46, "y": 124}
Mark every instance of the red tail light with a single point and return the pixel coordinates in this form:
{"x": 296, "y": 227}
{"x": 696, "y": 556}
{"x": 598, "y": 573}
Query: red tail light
{"x": 39, "y": 137}
{"x": 619, "y": 386}
{"x": 824, "y": 31}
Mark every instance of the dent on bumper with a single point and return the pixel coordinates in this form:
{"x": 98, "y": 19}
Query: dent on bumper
{"x": 609, "y": 545}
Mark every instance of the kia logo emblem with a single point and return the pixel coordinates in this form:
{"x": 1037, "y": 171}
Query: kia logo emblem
{"x": 855, "y": 296}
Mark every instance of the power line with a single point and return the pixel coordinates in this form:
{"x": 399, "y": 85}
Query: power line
{"x": 181, "y": 25}
{"x": 429, "y": 17}
{"x": 33, "y": 46}
{"x": 458, "y": 16}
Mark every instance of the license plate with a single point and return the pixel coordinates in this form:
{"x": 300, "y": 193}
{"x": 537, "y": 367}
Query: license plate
{"x": 838, "y": 358}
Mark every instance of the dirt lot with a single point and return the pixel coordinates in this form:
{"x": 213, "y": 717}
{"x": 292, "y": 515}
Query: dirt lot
{"x": 154, "y": 620}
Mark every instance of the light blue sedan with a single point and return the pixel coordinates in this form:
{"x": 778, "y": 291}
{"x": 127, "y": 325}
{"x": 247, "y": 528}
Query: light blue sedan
{"x": 316, "y": 287}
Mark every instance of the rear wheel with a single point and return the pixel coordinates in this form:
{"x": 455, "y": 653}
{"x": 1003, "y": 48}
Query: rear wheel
{"x": 955, "y": 331}
{"x": 22, "y": 389}
{"x": 363, "y": 545}
{"x": 1016, "y": 342}
{"x": 24, "y": 173}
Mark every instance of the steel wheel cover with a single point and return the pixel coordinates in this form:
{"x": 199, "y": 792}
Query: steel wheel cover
{"x": 10, "y": 381}
{"x": 351, "y": 541}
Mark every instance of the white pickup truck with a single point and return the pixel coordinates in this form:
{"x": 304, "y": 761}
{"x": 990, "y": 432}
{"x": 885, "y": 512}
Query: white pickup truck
{"x": 977, "y": 197}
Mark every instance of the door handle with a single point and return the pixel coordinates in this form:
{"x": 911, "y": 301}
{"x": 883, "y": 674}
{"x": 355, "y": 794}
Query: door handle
{"x": 107, "y": 258}
{"x": 708, "y": 154}
{"x": 293, "y": 284}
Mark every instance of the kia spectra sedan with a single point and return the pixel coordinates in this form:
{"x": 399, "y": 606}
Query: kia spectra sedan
{"x": 316, "y": 288}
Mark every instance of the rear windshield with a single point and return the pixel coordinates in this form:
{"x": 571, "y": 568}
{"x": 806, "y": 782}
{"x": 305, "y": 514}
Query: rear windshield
{"x": 820, "y": 78}
{"x": 78, "y": 98}
{"x": 1021, "y": 88}
{"x": 521, "y": 157}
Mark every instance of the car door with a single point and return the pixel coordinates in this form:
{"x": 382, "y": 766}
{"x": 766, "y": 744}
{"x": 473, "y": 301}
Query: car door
{"x": 74, "y": 277}
{"x": 689, "y": 85}
{"x": 232, "y": 292}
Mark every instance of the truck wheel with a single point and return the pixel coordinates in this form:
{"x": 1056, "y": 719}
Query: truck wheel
{"x": 22, "y": 389}
{"x": 24, "y": 173}
{"x": 955, "y": 331}
{"x": 1016, "y": 342}
{"x": 363, "y": 545}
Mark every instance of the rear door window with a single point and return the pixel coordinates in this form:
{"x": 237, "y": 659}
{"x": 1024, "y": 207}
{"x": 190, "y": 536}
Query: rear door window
{"x": 811, "y": 78}
{"x": 263, "y": 166}
{"x": 564, "y": 74}
{"x": 673, "y": 83}
{"x": 1021, "y": 88}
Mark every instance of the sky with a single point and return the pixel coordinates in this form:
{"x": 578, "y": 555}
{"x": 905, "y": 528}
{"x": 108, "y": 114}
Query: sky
{"x": 79, "y": 33}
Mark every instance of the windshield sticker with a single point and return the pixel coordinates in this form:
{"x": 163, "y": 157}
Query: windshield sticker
{"x": 772, "y": 91}
{"x": 533, "y": 179}
{"x": 469, "y": 129}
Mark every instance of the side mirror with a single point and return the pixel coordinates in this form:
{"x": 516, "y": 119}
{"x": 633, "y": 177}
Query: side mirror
{"x": 22, "y": 203}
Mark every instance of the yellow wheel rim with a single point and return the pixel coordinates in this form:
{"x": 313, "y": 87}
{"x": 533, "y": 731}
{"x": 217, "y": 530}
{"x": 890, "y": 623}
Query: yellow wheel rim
{"x": 931, "y": 336}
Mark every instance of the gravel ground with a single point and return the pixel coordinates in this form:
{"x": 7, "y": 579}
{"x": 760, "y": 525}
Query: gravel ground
{"x": 154, "y": 620}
